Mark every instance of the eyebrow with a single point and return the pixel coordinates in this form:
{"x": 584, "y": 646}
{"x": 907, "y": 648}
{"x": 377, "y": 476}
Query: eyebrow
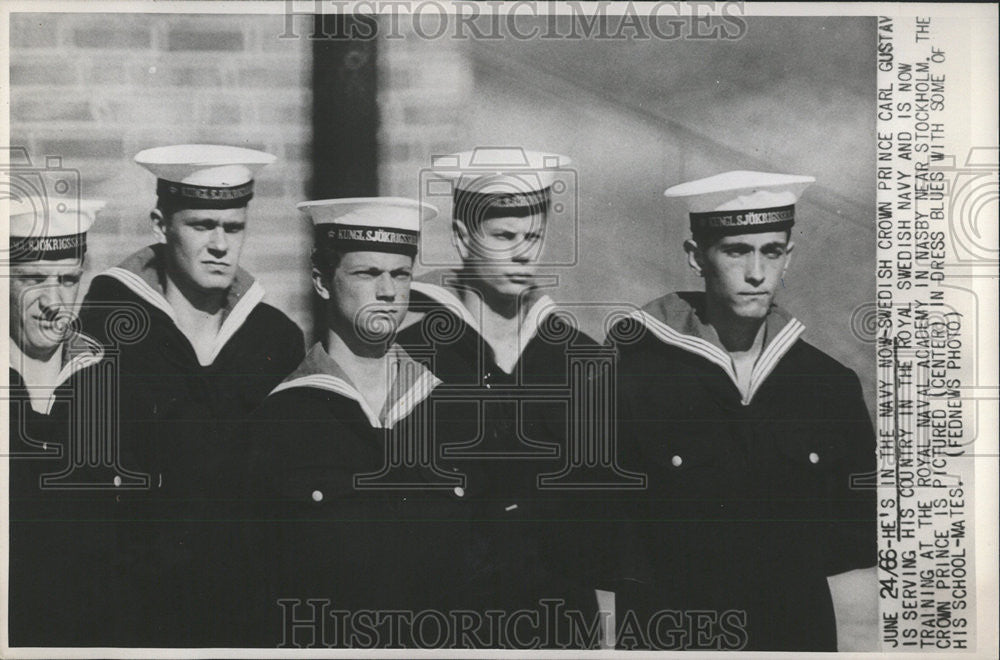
{"x": 215, "y": 221}
{"x": 748, "y": 246}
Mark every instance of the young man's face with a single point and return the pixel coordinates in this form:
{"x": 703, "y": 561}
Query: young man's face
{"x": 41, "y": 304}
{"x": 503, "y": 252}
{"x": 369, "y": 291}
{"x": 203, "y": 246}
{"x": 742, "y": 273}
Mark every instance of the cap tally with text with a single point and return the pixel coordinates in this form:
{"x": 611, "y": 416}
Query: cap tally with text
{"x": 498, "y": 181}
{"x": 204, "y": 176}
{"x": 741, "y": 202}
{"x": 370, "y": 224}
{"x": 47, "y": 229}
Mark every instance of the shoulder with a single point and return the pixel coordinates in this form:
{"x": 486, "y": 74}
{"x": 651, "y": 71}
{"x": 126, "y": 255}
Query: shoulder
{"x": 293, "y": 403}
{"x": 633, "y": 327}
{"x": 275, "y": 319}
{"x": 810, "y": 359}
{"x": 559, "y": 327}
{"x": 106, "y": 287}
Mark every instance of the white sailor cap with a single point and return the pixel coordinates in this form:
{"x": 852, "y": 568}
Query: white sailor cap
{"x": 371, "y": 224}
{"x": 741, "y": 202}
{"x": 204, "y": 176}
{"x": 494, "y": 181}
{"x": 50, "y": 228}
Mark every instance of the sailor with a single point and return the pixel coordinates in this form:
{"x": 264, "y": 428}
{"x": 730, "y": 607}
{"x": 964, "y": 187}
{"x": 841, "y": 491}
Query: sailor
{"x": 344, "y": 521}
{"x": 758, "y": 446}
{"x": 205, "y": 352}
{"x": 56, "y": 550}
{"x": 497, "y": 339}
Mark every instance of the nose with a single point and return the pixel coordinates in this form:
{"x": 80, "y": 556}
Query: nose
{"x": 524, "y": 252}
{"x": 755, "y": 270}
{"x": 52, "y": 298}
{"x": 385, "y": 288}
{"x": 217, "y": 242}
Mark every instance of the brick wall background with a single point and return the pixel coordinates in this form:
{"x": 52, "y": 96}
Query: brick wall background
{"x": 95, "y": 89}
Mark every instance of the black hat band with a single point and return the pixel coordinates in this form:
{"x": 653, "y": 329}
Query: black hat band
{"x": 45, "y": 248}
{"x": 776, "y": 218}
{"x": 350, "y": 238}
{"x": 191, "y": 196}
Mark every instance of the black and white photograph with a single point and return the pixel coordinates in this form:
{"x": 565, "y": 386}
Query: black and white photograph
{"x": 368, "y": 328}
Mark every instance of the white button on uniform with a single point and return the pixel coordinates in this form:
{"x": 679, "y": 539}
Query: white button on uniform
{"x": 676, "y": 461}
{"x": 813, "y": 457}
{"x": 118, "y": 482}
{"x": 317, "y": 496}
{"x": 459, "y": 491}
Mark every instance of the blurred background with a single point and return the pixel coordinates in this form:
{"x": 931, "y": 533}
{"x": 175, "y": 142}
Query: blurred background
{"x": 363, "y": 117}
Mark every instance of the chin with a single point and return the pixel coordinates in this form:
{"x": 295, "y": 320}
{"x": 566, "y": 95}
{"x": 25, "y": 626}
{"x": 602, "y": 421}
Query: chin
{"x": 40, "y": 344}
{"x": 509, "y": 289}
{"x": 377, "y": 328}
{"x": 214, "y": 282}
{"x": 751, "y": 311}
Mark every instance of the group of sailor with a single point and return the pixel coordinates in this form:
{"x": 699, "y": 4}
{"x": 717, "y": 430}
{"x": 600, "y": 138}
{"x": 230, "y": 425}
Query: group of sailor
{"x": 185, "y": 473}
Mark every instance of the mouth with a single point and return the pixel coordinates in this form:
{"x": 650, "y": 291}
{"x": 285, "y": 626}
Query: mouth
{"x": 519, "y": 278}
{"x": 754, "y": 294}
{"x": 216, "y": 264}
{"x": 50, "y": 323}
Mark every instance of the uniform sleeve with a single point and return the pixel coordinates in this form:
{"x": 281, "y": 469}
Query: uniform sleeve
{"x": 294, "y": 343}
{"x": 852, "y": 528}
{"x": 623, "y": 569}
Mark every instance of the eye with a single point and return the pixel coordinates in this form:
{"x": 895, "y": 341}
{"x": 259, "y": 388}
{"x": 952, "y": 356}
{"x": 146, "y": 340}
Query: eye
{"x": 234, "y": 229}
{"x": 69, "y": 280}
{"x": 774, "y": 251}
{"x": 402, "y": 275}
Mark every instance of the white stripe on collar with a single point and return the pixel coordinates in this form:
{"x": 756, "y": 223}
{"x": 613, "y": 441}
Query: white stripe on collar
{"x": 541, "y": 309}
{"x": 92, "y": 353}
{"x": 768, "y": 360}
{"x": 419, "y": 391}
{"x": 233, "y": 321}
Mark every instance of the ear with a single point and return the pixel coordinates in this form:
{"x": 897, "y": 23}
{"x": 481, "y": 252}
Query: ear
{"x": 159, "y": 225}
{"x": 696, "y": 260}
{"x": 788, "y": 256}
{"x": 319, "y": 284}
{"x": 461, "y": 239}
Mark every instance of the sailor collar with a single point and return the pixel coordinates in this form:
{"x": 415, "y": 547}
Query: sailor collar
{"x": 675, "y": 320}
{"x": 413, "y": 382}
{"x": 448, "y": 296}
{"x": 142, "y": 274}
{"x": 78, "y": 352}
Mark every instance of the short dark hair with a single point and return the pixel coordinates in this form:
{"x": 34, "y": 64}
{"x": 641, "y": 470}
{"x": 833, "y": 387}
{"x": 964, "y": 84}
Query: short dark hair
{"x": 473, "y": 217}
{"x": 326, "y": 260}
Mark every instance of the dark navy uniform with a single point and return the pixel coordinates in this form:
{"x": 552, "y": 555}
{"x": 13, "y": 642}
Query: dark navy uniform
{"x": 177, "y": 419}
{"x": 505, "y": 431}
{"x": 754, "y": 498}
{"x": 59, "y": 563}
{"x": 339, "y": 518}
